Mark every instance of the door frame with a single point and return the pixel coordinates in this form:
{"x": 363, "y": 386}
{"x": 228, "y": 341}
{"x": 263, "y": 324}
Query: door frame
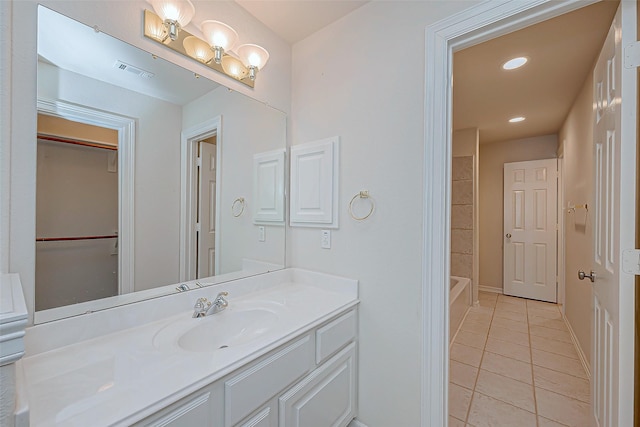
{"x": 475, "y": 25}
{"x": 126, "y": 128}
{"x": 189, "y": 193}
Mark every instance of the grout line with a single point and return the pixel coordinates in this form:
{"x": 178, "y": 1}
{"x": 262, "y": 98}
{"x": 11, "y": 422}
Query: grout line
{"x": 533, "y": 377}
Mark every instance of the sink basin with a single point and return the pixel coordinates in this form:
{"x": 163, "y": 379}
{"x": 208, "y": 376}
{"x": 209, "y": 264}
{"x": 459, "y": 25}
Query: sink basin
{"x": 229, "y": 328}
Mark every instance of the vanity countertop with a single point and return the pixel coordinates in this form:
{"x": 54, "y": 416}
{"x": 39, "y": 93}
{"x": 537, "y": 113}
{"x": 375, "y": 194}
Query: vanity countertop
{"x": 125, "y": 376}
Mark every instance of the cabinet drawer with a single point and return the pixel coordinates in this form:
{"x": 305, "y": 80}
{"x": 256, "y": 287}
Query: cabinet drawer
{"x": 335, "y": 335}
{"x": 249, "y": 390}
{"x": 326, "y": 397}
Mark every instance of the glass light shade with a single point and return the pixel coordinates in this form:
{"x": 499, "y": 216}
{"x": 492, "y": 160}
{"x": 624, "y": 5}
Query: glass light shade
{"x": 234, "y": 67}
{"x": 253, "y": 55}
{"x": 180, "y": 11}
{"x": 197, "y": 49}
{"x": 219, "y": 34}
{"x": 155, "y": 28}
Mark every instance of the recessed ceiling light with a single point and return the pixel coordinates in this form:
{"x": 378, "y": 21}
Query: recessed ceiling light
{"x": 516, "y": 120}
{"x": 514, "y": 63}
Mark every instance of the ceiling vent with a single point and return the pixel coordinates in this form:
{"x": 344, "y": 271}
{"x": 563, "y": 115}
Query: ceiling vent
{"x": 133, "y": 70}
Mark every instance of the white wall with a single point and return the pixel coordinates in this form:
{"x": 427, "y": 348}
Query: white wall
{"x": 121, "y": 19}
{"x": 345, "y": 84}
{"x": 492, "y": 158}
{"x": 576, "y": 136}
{"x": 248, "y": 127}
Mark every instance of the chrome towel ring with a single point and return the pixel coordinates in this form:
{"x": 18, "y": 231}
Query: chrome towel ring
{"x": 237, "y": 207}
{"x": 364, "y": 194}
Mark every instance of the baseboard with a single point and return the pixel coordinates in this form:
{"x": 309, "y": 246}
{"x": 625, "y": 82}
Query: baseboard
{"x": 576, "y": 344}
{"x": 356, "y": 423}
{"x": 491, "y": 289}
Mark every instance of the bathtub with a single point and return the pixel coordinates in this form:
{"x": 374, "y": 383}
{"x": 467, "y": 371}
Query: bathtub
{"x": 459, "y": 303}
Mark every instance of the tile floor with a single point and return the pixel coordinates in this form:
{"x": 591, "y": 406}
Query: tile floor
{"x": 513, "y": 364}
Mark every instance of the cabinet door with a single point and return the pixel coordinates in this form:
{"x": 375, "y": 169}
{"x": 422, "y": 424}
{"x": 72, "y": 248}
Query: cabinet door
{"x": 265, "y": 417}
{"x": 326, "y": 397}
{"x": 193, "y": 411}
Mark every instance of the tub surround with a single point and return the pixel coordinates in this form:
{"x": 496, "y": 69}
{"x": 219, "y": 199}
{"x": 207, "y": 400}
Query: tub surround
{"x": 118, "y": 366}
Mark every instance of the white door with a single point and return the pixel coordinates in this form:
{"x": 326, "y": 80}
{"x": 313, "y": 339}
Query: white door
{"x": 530, "y": 199}
{"x": 614, "y": 227}
{"x": 206, "y": 227}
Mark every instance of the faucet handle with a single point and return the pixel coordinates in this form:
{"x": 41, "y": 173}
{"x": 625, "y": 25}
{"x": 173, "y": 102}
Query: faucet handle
{"x": 201, "y": 306}
{"x": 222, "y": 294}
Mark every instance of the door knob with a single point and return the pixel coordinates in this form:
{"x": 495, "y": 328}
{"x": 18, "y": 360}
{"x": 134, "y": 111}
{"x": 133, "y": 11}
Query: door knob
{"x": 508, "y": 235}
{"x": 591, "y": 276}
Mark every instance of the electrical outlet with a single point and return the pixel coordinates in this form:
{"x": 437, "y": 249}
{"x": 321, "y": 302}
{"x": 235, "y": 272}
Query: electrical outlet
{"x": 326, "y": 239}
{"x": 261, "y": 234}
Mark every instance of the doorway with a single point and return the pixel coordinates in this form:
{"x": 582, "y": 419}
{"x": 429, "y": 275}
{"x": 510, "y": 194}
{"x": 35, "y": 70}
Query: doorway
{"x": 442, "y": 38}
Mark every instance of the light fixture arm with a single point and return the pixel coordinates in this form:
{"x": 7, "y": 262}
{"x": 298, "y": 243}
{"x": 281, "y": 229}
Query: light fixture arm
{"x": 173, "y": 28}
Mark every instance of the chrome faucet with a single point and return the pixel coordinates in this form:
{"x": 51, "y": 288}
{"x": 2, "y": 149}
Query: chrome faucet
{"x": 204, "y": 307}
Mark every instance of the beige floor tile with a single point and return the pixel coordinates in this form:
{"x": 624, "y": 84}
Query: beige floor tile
{"x": 488, "y": 412}
{"x": 508, "y": 349}
{"x": 558, "y": 363}
{"x": 506, "y": 366}
{"x": 547, "y": 314}
{"x": 562, "y": 409}
{"x": 553, "y": 346}
{"x": 543, "y": 422}
{"x": 509, "y": 335}
{"x": 471, "y": 339}
{"x": 462, "y": 374}
{"x": 475, "y": 327}
{"x": 480, "y": 317}
{"x": 482, "y": 309}
{"x": 548, "y": 323}
{"x": 510, "y": 324}
{"x": 505, "y": 306}
{"x": 542, "y": 305}
{"x": 506, "y": 389}
{"x": 465, "y": 354}
{"x": 454, "y": 422}
{"x": 558, "y": 382}
{"x": 459, "y": 399}
{"x": 553, "y": 334}
{"x": 488, "y": 294}
{"x": 511, "y": 315}
{"x": 512, "y": 300}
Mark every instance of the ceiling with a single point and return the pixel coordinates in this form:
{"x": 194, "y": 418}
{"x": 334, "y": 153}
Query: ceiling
{"x": 294, "y": 20}
{"x": 561, "y": 54}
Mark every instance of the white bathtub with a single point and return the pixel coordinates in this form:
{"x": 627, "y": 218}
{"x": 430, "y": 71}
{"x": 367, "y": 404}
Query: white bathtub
{"x": 459, "y": 303}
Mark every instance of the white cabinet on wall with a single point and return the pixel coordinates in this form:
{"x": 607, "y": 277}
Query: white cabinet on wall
{"x": 314, "y": 184}
{"x": 268, "y": 187}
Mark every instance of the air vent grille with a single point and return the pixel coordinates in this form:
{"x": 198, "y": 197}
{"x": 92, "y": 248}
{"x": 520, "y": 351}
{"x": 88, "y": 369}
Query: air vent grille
{"x": 133, "y": 70}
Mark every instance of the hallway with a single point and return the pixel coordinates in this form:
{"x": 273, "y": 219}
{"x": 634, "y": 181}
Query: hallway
{"x": 513, "y": 363}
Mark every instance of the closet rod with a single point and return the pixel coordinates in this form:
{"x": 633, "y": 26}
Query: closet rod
{"x": 60, "y": 239}
{"x": 77, "y": 142}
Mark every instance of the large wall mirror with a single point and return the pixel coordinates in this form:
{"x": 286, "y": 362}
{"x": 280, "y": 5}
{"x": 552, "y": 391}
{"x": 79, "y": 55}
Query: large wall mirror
{"x": 146, "y": 175}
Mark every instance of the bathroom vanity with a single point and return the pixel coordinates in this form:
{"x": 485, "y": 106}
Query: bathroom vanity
{"x": 284, "y": 353}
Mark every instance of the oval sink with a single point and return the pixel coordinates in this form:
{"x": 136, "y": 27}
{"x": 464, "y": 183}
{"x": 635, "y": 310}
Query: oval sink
{"x": 226, "y": 329}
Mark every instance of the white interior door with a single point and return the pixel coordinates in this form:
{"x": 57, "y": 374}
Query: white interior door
{"x": 530, "y": 245}
{"x": 206, "y": 210}
{"x": 614, "y": 226}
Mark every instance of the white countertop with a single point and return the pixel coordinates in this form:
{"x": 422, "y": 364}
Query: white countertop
{"x": 122, "y": 377}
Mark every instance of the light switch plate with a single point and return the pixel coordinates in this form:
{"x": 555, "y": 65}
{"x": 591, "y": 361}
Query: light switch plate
{"x": 326, "y": 239}
{"x": 261, "y": 234}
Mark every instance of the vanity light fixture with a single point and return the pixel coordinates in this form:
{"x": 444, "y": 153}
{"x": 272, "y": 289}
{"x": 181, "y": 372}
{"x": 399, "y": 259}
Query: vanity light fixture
{"x": 220, "y": 36}
{"x": 514, "y": 63}
{"x": 516, "y": 119}
{"x": 253, "y": 57}
{"x": 174, "y": 14}
{"x": 217, "y": 52}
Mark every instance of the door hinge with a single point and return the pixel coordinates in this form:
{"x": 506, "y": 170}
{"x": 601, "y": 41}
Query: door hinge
{"x": 197, "y": 227}
{"x": 632, "y": 55}
{"x": 199, "y": 162}
{"x": 631, "y": 261}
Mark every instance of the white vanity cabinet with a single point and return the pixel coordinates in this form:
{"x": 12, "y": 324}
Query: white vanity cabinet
{"x": 308, "y": 382}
